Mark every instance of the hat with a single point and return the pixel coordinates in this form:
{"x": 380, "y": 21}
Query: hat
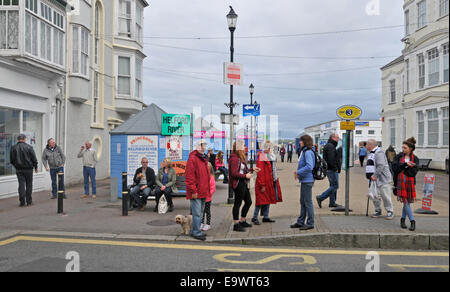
{"x": 21, "y": 137}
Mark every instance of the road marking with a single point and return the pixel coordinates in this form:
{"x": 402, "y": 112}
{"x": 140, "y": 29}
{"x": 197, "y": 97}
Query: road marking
{"x": 218, "y": 247}
{"x": 307, "y": 260}
{"x": 312, "y": 269}
{"x": 404, "y": 268}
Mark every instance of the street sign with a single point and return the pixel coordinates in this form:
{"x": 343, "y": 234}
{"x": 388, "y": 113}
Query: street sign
{"x": 232, "y": 74}
{"x": 347, "y": 126}
{"x": 172, "y": 124}
{"x": 251, "y": 110}
{"x": 228, "y": 119}
{"x": 362, "y": 124}
{"x": 349, "y": 112}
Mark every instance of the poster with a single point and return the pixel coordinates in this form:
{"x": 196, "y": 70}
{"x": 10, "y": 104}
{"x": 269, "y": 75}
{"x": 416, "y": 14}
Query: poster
{"x": 174, "y": 148}
{"x": 138, "y": 147}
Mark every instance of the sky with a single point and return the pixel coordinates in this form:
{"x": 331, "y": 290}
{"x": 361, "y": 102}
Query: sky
{"x": 307, "y": 64}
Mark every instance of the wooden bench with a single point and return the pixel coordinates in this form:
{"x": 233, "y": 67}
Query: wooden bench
{"x": 424, "y": 163}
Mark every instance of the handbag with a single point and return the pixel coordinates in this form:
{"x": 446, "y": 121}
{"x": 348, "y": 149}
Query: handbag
{"x": 162, "y": 205}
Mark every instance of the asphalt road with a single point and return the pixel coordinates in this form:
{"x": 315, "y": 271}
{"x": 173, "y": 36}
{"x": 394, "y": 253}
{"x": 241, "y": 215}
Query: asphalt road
{"x": 46, "y": 254}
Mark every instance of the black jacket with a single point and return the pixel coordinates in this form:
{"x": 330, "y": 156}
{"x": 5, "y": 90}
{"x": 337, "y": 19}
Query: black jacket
{"x": 331, "y": 156}
{"x": 149, "y": 174}
{"x": 23, "y": 157}
{"x": 397, "y": 168}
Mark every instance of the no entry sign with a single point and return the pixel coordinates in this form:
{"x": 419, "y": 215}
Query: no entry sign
{"x": 232, "y": 74}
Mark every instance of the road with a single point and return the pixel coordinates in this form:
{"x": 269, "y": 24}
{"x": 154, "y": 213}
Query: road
{"x": 31, "y": 253}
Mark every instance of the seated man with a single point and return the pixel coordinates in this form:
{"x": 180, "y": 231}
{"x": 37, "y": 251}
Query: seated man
{"x": 144, "y": 182}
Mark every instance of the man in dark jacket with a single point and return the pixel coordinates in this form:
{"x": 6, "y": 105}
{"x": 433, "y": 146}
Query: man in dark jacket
{"x": 144, "y": 181}
{"x": 23, "y": 158}
{"x": 333, "y": 159}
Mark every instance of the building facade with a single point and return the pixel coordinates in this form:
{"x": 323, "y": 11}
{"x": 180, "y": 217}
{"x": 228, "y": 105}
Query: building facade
{"x": 415, "y": 95}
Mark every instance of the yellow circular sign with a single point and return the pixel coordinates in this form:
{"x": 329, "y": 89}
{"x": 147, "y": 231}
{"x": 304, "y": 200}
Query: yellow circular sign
{"x": 349, "y": 112}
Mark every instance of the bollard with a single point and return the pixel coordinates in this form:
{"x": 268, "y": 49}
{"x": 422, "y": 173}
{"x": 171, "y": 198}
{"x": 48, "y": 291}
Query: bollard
{"x": 60, "y": 193}
{"x": 124, "y": 195}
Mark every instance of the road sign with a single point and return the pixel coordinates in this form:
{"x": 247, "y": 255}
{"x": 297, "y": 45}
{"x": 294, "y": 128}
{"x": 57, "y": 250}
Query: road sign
{"x": 347, "y": 126}
{"x": 349, "y": 112}
{"x": 232, "y": 74}
{"x": 251, "y": 110}
{"x": 228, "y": 119}
{"x": 172, "y": 124}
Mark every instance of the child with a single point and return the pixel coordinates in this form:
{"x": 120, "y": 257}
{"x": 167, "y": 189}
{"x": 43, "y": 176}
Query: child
{"x": 207, "y": 213}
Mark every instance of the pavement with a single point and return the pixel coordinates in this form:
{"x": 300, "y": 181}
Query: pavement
{"x": 101, "y": 218}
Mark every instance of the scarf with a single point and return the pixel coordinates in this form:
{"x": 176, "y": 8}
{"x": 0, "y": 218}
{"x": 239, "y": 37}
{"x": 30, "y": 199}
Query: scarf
{"x": 406, "y": 190}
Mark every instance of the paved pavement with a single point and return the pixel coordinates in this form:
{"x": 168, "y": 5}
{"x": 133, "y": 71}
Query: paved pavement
{"x": 102, "y": 218}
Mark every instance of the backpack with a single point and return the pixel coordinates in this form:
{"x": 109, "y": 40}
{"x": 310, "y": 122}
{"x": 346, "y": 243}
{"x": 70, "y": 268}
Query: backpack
{"x": 320, "y": 167}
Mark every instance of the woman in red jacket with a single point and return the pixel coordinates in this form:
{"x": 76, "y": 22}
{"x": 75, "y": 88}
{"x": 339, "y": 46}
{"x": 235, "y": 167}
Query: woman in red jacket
{"x": 240, "y": 175}
{"x": 267, "y": 187}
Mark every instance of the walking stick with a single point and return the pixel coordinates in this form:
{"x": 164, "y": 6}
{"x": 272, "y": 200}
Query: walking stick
{"x": 367, "y": 210}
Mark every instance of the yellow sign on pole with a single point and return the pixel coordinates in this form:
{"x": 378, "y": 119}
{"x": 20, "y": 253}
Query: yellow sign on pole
{"x": 347, "y": 126}
{"x": 349, "y": 112}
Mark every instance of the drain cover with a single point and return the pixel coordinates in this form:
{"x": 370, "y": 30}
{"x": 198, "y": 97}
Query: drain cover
{"x": 166, "y": 222}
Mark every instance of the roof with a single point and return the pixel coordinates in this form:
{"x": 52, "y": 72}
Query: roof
{"x": 146, "y": 122}
{"x": 396, "y": 61}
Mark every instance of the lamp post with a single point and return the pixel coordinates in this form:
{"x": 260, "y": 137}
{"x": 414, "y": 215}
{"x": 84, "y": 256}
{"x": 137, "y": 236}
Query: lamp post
{"x": 252, "y": 148}
{"x": 232, "y": 20}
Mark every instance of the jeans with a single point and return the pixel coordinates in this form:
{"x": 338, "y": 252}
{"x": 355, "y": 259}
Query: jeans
{"x": 89, "y": 172}
{"x": 265, "y": 210}
{"x": 197, "y": 209}
{"x": 135, "y": 194}
{"x": 306, "y": 205}
{"x": 407, "y": 211}
{"x": 361, "y": 160}
{"x": 225, "y": 173}
{"x": 25, "y": 178}
{"x": 54, "y": 177}
{"x": 333, "y": 178}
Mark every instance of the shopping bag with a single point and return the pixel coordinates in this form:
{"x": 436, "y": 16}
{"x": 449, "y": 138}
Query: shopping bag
{"x": 162, "y": 205}
{"x": 372, "y": 193}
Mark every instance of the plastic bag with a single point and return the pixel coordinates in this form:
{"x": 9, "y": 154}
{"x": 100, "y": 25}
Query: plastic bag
{"x": 162, "y": 205}
{"x": 372, "y": 193}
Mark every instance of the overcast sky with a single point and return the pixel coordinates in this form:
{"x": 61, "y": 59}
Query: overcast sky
{"x": 297, "y": 92}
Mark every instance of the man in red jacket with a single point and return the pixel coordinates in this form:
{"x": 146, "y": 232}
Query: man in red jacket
{"x": 197, "y": 186}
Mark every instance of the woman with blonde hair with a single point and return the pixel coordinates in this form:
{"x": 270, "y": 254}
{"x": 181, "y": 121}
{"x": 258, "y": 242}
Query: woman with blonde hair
{"x": 166, "y": 183}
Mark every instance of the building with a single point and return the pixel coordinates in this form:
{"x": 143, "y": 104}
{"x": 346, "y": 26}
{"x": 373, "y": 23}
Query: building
{"x": 32, "y": 80}
{"x": 415, "y": 97}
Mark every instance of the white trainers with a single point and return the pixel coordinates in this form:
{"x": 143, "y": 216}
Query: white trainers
{"x": 206, "y": 227}
{"x": 202, "y": 226}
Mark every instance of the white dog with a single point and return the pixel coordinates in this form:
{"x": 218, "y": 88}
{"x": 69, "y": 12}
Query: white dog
{"x": 185, "y": 222}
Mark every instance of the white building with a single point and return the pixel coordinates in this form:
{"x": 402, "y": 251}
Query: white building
{"x": 415, "y": 96}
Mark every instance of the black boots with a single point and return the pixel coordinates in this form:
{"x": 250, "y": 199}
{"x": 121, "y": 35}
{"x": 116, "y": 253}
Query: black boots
{"x": 413, "y": 226}
{"x": 402, "y": 223}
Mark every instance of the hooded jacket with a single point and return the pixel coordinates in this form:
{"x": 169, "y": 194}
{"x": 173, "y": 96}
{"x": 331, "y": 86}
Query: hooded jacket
{"x": 197, "y": 176}
{"x": 54, "y": 158}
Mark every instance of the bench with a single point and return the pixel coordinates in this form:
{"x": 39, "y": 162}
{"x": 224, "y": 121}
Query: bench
{"x": 424, "y": 163}
{"x": 217, "y": 174}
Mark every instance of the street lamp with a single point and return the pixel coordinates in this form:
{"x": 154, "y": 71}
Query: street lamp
{"x": 252, "y": 148}
{"x": 232, "y": 20}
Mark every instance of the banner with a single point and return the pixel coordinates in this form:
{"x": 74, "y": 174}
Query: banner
{"x": 138, "y": 147}
{"x": 174, "y": 148}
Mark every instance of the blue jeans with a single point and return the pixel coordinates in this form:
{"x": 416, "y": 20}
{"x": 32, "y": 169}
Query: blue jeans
{"x": 333, "y": 178}
{"x": 197, "y": 209}
{"x": 306, "y": 205}
{"x": 407, "y": 211}
{"x": 265, "y": 209}
{"x": 54, "y": 177}
{"x": 89, "y": 172}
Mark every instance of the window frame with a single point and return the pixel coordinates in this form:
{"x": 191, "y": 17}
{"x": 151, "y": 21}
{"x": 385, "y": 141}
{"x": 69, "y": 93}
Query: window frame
{"x": 436, "y": 121}
{"x": 392, "y": 91}
{"x": 421, "y": 16}
{"x": 433, "y": 63}
{"x": 122, "y": 76}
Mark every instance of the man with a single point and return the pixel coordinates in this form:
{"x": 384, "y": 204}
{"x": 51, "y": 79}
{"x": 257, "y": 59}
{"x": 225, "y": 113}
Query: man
{"x": 89, "y": 157}
{"x": 212, "y": 157}
{"x": 197, "y": 187}
{"x": 333, "y": 160}
{"x": 144, "y": 181}
{"x": 362, "y": 155}
{"x": 53, "y": 159}
{"x": 23, "y": 158}
{"x": 383, "y": 179}
{"x": 290, "y": 150}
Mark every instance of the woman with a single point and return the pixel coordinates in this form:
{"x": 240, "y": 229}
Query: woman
{"x": 220, "y": 166}
{"x": 267, "y": 186}
{"x": 282, "y": 153}
{"x": 405, "y": 171}
{"x": 304, "y": 175}
{"x": 166, "y": 183}
{"x": 239, "y": 178}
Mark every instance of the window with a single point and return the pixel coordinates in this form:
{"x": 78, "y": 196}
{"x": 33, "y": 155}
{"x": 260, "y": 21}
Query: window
{"x": 421, "y": 14}
{"x": 139, "y": 19}
{"x": 124, "y": 76}
{"x": 421, "y": 64}
{"x": 84, "y": 51}
{"x": 407, "y": 23}
{"x": 31, "y": 34}
{"x": 46, "y": 42}
{"x": 407, "y": 76}
{"x": 58, "y": 20}
{"x": 392, "y": 131}
{"x": 433, "y": 67}
{"x": 58, "y": 47}
{"x": 9, "y": 2}
{"x": 445, "y": 126}
{"x": 443, "y": 7}
{"x": 9, "y": 29}
{"x": 392, "y": 90}
{"x": 371, "y": 132}
{"x": 358, "y": 132}
{"x": 31, "y": 5}
{"x": 138, "y": 79}
{"x": 97, "y": 34}
{"x": 75, "y": 50}
{"x": 125, "y": 18}
{"x": 46, "y": 12}
{"x": 80, "y": 50}
{"x": 420, "y": 129}
{"x": 445, "y": 54}
{"x": 433, "y": 127}
{"x": 95, "y": 101}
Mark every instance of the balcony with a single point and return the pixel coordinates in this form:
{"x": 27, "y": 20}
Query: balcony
{"x": 129, "y": 105}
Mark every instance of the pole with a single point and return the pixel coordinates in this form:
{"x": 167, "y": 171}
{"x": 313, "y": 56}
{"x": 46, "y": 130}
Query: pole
{"x": 230, "y": 189}
{"x": 347, "y": 174}
{"x": 252, "y": 158}
{"x": 124, "y": 194}
{"x": 60, "y": 193}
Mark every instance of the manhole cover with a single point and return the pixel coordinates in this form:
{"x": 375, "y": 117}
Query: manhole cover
{"x": 165, "y": 222}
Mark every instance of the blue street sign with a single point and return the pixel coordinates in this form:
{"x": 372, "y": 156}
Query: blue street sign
{"x": 251, "y": 110}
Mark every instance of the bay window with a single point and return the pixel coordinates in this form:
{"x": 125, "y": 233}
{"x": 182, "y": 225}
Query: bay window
{"x": 433, "y": 67}
{"x": 9, "y": 24}
{"x": 124, "y": 76}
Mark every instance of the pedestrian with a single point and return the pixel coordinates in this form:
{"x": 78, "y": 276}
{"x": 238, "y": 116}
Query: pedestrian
{"x": 220, "y": 166}
{"x": 207, "y": 212}
{"x": 240, "y": 176}
{"x": 267, "y": 186}
{"x": 89, "y": 157}
{"x": 282, "y": 153}
{"x": 405, "y": 166}
{"x": 144, "y": 182}
{"x": 390, "y": 156}
{"x": 212, "y": 157}
{"x": 383, "y": 178}
{"x": 166, "y": 184}
{"x": 290, "y": 150}
{"x": 197, "y": 187}
{"x": 54, "y": 159}
{"x": 304, "y": 175}
{"x": 333, "y": 160}
{"x": 362, "y": 155}
{"x": 23, "y": 158}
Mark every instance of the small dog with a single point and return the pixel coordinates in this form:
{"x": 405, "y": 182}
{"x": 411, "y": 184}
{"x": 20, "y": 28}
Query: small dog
{"x": 185, "y": 222}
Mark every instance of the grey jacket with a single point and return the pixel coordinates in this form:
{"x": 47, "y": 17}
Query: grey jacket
{"x": 53, "y": 159}
{"x": 382, "y": 172}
